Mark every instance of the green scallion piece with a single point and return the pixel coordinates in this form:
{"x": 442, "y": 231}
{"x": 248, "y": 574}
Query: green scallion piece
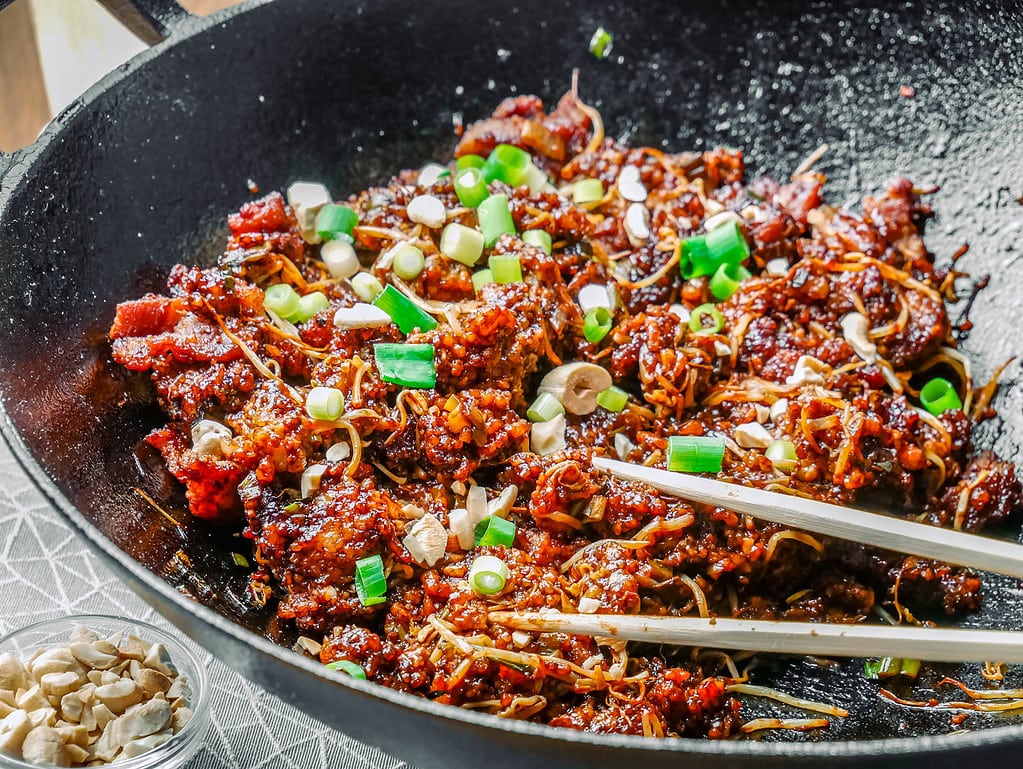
{"x": 470, "y": 187}
{"x": 536, "y": 179}
{"x": 469, "y": 161}
{"x": 596, "y": 324}
{"x": 695, "y": 453}
{"x": 403, "y": 312}
{"x": 544, "y": 408}
{"x": 488, "y": 575}
{"x": 407, "y": 261}
{"x": 480, "y": 278}
{"x": 782, "y": 455}
{"x": 409, "y": 365}
{"x": 325, "y": 403}
{"x": 706, "y": 319}
{"x": 282, "y": 299}
{"x": 910, "y": 668}
{"x": 370, "y": 582}
{"x": 601, "y": 43}
{"x": 613, "y": 399}
{"x": 509, "y": 164}
{"x": 886, "y": 667}
{"x": 725, "y": 282}
{"x": 334, "y": 221}
{"x": 939, "y": 396}
{"x": 494, "y": 530}
{"x": 240, "y": 560}
{"x": 506, "y": 268}
{"x": 587, "y": 191}
{"x": 495, "y": 220}
{"x": 461, "y": 243}
{"x": 539, "y": 238}
{"x": 310, "y": 304}
{"x": 366, "y": 286}
{"x": 349, "y": 667}
{"x": 703, "y": 254}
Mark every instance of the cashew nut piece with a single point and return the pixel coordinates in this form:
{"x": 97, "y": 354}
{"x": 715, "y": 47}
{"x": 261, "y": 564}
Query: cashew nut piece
{"x": 576, "y": 385}
{"x": 119, "y": 696}
{"x": 12, "y": 673}
{"x": 44, "y": 746}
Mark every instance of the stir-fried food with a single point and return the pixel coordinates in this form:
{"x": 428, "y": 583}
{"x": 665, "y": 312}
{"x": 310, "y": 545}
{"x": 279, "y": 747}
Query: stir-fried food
{"x": 401, "y": 394}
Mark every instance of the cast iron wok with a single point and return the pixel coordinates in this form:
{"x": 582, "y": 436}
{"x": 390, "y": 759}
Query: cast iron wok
{"x": 140, "y": 173}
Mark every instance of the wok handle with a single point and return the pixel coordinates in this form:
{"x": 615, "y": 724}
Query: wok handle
{"x": 152, "y": 21}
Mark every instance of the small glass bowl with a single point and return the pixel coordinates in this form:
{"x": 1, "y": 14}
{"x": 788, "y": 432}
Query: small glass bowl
{"x": 55, "y": 632}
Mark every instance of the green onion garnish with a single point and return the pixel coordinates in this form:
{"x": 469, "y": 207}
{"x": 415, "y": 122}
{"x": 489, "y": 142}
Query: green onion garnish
{"x": 370, "y": 582}
{"x": 506, "y": 268}
{"x": 695, "y": 453}
{"x": 890, "y": 667}
{"x": 488, "y": 575}
{"x": 613, "y": 399}
{"x": 469, "y": 161}
{"x": 405, "y": 314}
{"x": 471, "y": 187}
{"x": 310, "y": 304}
{"x": 782, "y": 455}
{"x": 910, "y": 668}
{"x": 600, "y": 43}
{"x": 409, "y": 365}
{"x": 407, "y": 261}
{"x": 461, "y": 243}
{"x": 494, "y": 530}
{"x": 240, "y": 560}
{"x": 586, "y": 191}
{"x": 726, "y": 280}
{"x": 596, "y": 324}
{"x": 335, "y": 221}
{"x": 508, "y": 163}
{"x": 536, "y": 179}
{"x": 703, "y": 254}
{"x": 366, "y": 286}
{"x": 706, "y": 312}
{"x": 282, "y": 299}
{"x": 480, "y": 278}
{"x": 495, "y": 219}
{"x": 539, "y": 238}
{"x": 939, "y": 396}
{"x": 349, "y": 667}
{"x": 326, "y": 403}
{"x": 544, "y": 408}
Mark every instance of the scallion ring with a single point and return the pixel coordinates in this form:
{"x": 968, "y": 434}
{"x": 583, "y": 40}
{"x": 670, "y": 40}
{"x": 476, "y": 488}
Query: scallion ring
{"x": 539, "y": 238}
{"x": 939, "y": 396}
{"x": 782, "y": 454}
{"x": 488, "y": 575}
{"x": 370, "y": 582}
{"x": 310, "y": 304}
{"x": 698, "y": 320}
{"x": 695, "y": 453}
{"x": 613, "y": 399}
{"x": 725, "y": 282}
{"x": 596, "y": 324}
{"x": 495, "y": 219}
{"x": 545, "y": 408}
{"x": 470, "y": 187}
{"x": 325, "y": 403}
{"x": 349, "y": 667}
{"x": 506, "y": 268}
{"x": 494, "y": 530}
{"x": 282, "y": 299}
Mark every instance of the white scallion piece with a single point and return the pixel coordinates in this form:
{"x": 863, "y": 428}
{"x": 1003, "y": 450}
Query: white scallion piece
{"x": 430, "y": 174}
{"x": 594, "y": 295}
{"x": 338, "y": 452}
{"x": 366, "y": 286}
{"x": 504, "y": 502}
{"x": 427, "y": 211}
{"x": 361, "y": 315}
{"x": 462, "y": 527}
{"x": 476, "y": 504}
{"x": 681, "y": 311}
{"x": 589, "y": 605}
{"x": 339, "y": 257}
{"x": 306, "y": 199}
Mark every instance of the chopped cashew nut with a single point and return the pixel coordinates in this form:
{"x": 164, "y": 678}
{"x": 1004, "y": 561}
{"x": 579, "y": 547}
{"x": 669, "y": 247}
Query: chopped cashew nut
{"x": 548, "y": 437}
{"x": 428, "y": 211}
{"x": 311, "y": 478}
{"x": 719, "y": 219}
{"x": 637, "y": 224}
{"x": 808, "y": 370}
{"x": 306, "y": 199}
{"x": 208, "y": 437}
{"x": 856, "y": 330}
{"x": 777, "y": 268}
{"x": 753, "y": 435}
{"x": 429, "y": 540}
{"x": 576, "y": 385}
{"x": 594, "y": 295}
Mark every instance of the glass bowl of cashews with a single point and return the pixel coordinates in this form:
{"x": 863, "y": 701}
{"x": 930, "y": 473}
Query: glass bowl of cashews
{"x": 89, "y": 690}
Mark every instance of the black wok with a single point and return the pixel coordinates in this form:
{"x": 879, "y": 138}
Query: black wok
{"x": 140, "y": 173}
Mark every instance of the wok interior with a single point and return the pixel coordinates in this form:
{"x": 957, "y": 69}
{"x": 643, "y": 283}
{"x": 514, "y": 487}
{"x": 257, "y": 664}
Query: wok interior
{"x": 142, "y": 176}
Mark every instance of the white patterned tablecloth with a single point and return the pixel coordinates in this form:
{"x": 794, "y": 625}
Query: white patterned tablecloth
{"x": 47, "y": 571}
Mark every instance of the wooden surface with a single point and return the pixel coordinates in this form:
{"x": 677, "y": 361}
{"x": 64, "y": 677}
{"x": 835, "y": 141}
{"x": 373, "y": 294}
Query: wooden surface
{"x": 53, "y": 50}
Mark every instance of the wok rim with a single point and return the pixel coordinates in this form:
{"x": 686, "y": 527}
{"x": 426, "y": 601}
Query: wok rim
{"x": 21, "y": 166}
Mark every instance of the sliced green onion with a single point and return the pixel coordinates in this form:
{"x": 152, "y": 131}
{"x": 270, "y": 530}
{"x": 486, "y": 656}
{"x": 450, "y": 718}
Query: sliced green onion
{"x": 600, "y": 43}
{"x": 469, "y": 161}
{"x": 461, "y": 243}
{"x": 782, "y": 455}
{"x": 470, "y": 186}
{"x": 349, "y": 667}
{"x": 240, "y": 560}
{"x": 910, "y": 668}
{"x": 695, "y": 453}
{"x": 536, "y": 179}
{"x": 596, "y": 324}
{"x": 886, "y": 667}
{"x": 703, "y": 254}
{"x": 544, "y": 408}
{"x": 506, "y": 268}
{"x": 508, "y": 163}
{"x": 409, "y": 365}
{"x": 283, "y": 300}
{"x": 326, "y": 403}
{"x": 939, "y": 396}
{"x": 488, "y": 575}
{"x": 407, "y": 261}
{"x": 310, "y": 304}
{"x": 725, "y": 282}
{"x": 587, "y": 191}
{"x": 335, "y": 221}
{"x": 370, "y": 582}
{"x": 495, "y": 219}
{"x": 703, "y": 313}
{"x": 539, "y": 238}
{"x": 480, "y": 278}
{"x": 366, "y": 286}
{"x": 405, "y": 314}
{"x": 494, "y": 530}
{"x": 613, "y": 398}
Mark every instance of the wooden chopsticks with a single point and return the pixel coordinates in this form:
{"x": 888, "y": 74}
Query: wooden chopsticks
{"x": 847, "y": 523}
